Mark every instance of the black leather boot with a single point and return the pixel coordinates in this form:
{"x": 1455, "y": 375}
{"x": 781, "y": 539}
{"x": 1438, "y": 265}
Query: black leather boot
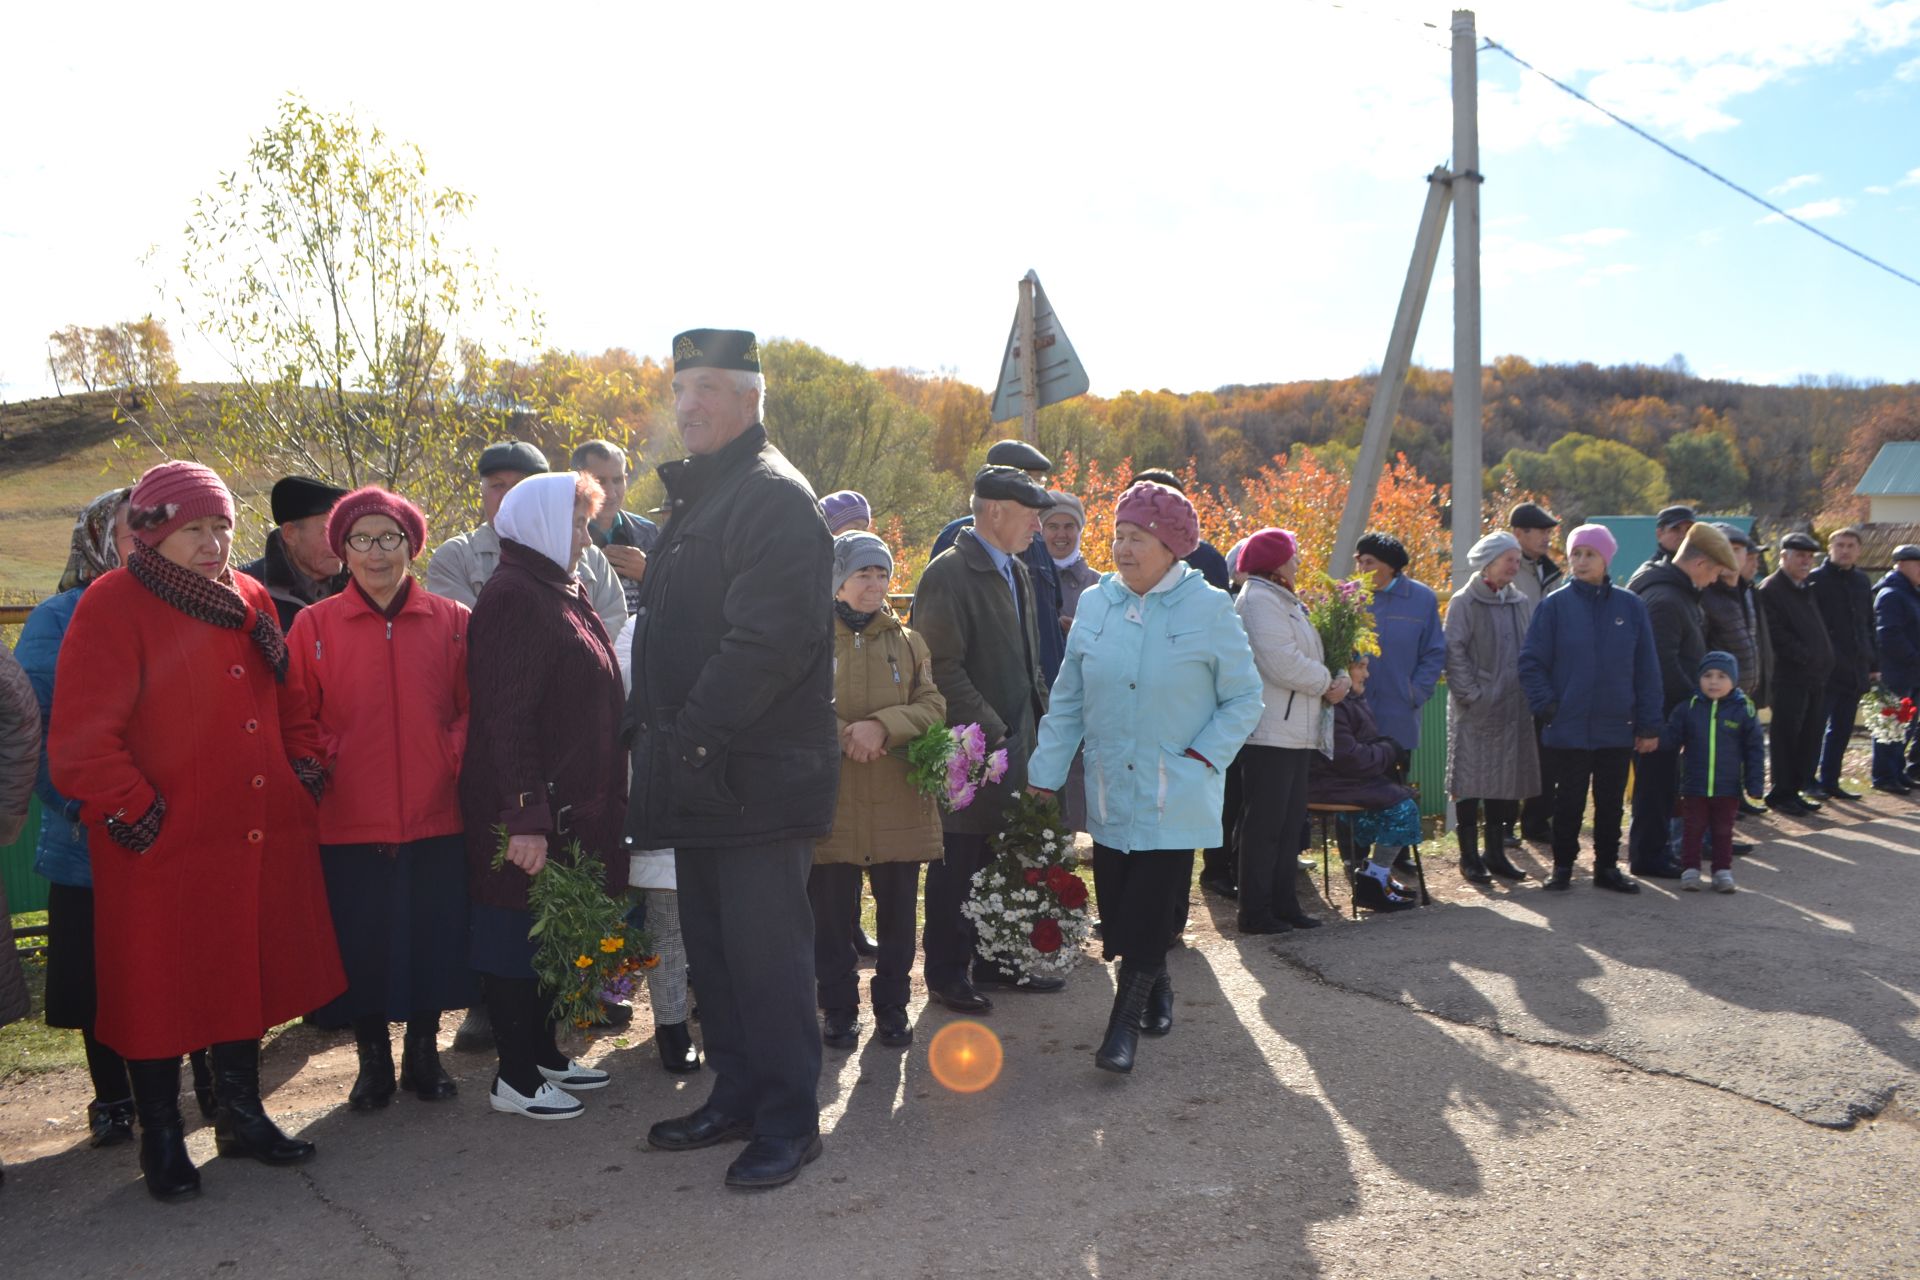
{"x": 202, "y": 1083}
{"x": 420, "y": 1068}
{"x": 1471, "y": 868}
{"x": 1501, "y": 865}
{"x": 475, "y": 1033}
{"x": 373, "y": 1087}
{"x": 241, "y": 1126}
{"x": 164, "y": 1165}
{"x": 1122, "y": 1040}
{"x": 1561, "y": 879}
{"x": 1157, "y": 1020}
{"x": 840, "y": 1028}
{"x": 677, "y": 1054}
{"x": 110, "y": 1123}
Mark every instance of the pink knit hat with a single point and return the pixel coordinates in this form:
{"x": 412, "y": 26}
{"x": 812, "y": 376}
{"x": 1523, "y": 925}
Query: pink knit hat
{"x": 172, "y": 494}
{"x": 1266, "y": 551}
{"x": 375, "y": 501}
{"x": 1595, "y": 537}
{"x": 1163, "y": 512}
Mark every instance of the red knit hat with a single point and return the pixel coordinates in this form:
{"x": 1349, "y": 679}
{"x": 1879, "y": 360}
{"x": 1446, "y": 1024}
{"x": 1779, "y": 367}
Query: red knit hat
{"x": 172, "y": 494}
{"x": 1266, "y": 551}
{"x": 1163, "y": 512}
{"x": 375, "y": 501}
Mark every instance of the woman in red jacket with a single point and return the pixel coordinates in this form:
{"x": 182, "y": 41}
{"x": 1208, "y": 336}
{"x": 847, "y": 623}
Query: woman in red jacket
{"x": 176, "y": 731}
{"x": 383, "y": 669}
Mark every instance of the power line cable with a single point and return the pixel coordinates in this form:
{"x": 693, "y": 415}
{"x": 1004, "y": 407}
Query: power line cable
{"x": 1677, "y": 154}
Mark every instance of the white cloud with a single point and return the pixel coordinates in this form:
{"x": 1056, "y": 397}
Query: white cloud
{"x": 1908, "y": 72}
{"x": 1597, "y": 238}
{"x": 1611, "y": 271}
{"x": 1795, "y": 183}
{"x": 1911, "y": 180}
{"x": 1812, "y": 210}
{"x": 1879, "y": 191}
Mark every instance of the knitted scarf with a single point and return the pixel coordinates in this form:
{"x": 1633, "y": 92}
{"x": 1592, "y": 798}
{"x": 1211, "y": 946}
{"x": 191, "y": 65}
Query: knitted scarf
{"x": 209, "y": 600}
{"x": 857, "y": 621}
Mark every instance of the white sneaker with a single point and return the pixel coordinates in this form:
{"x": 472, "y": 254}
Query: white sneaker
{"x": 576, "y": 1078}
{"x": 1723, "y": 882}
{"x": 547, "y": 1102}
{"x": 1690, "y": 879}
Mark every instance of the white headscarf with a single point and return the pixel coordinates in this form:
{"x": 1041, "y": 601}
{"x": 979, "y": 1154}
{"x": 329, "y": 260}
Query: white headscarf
{"x": 538, "y": 513}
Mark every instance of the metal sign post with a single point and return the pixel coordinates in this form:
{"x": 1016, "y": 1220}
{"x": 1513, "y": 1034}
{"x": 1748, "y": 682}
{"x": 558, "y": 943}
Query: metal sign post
{"x": 1037, "y": 370}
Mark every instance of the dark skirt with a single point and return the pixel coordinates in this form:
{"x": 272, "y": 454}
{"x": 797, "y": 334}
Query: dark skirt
{"x": 499, "y": 946}
{"x": 72, "y": 984}
{"x": 400, "y": 915}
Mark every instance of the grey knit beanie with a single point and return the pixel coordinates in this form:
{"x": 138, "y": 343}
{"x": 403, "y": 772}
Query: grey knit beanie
{"x": 855, "y": 551}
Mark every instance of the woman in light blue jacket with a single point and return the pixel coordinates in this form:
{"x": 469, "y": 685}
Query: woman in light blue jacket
{"x": 1159, "y": 683}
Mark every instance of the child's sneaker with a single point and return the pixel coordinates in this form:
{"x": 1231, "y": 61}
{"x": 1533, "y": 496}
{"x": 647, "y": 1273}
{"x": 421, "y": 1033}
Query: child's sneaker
{"x": 1690, "y": 879}
{"x": 1723, "y": 882}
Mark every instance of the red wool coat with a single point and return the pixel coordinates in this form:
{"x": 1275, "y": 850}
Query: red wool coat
{"x": 391, "y": 703}
{"x": 221, "y": 928}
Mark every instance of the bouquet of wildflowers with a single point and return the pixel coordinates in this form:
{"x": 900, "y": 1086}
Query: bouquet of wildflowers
{"x": 587, "y": 954}
{"x": 1887, "y": 715}
{"x": 1341, "y": 612}
{"x": 1028, "y": 905}
{"x": 951, "y": 765}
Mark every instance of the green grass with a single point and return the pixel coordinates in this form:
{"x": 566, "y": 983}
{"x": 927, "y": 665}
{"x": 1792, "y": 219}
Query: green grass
{"x": 30, "y": 1046}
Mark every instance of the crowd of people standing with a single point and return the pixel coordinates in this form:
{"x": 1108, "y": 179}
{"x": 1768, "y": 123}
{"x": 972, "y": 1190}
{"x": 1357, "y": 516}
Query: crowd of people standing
{"x": 319, "y": 786}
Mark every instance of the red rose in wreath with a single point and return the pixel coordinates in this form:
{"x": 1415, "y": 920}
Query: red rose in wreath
{"x": 1057, "y": 878}
{"x": 1045, "y": 936}
{"x": 1073, "y": 894}
{"x": 1033, "y": 875}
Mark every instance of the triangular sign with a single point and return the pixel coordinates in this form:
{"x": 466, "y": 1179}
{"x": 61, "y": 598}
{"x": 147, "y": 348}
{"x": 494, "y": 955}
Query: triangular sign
{"x": 1061, "y": 375}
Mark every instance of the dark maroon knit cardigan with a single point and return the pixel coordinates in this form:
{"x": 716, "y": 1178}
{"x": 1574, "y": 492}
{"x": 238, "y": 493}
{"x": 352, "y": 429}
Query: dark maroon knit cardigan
{"x": 543, "y": 742}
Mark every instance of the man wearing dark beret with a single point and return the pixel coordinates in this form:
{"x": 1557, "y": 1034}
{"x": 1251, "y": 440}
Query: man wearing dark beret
{"x": 299, "y": 568}
{"x": 1669, "y": 531}
{"x": 736, "y": 752}
{"x": 975, "y": 608}
{"x": 461, "y": 565}
{"x": 1804, "y": 661}
{"x": 1047, "y": 592}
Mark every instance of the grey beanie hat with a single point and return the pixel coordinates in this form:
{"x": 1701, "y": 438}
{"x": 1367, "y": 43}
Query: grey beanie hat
{"x": 855, "y": 551}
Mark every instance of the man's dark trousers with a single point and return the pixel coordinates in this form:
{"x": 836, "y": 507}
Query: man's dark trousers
{"x": 1837, "y": 731}
{"x": 950, "y": 937}
{"x": 1656, "y": 793}
{"x": 749, "y": 937}
{"x": 1794, "y": 735}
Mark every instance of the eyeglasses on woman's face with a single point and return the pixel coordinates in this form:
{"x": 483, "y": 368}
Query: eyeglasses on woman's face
{"x": 388, "y": 541}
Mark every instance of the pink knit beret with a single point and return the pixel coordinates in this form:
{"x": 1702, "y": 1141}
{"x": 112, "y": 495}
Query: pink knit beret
{"x": 375, "y": 501}
{"x": 1266, "y": 551}
{"x": 172, "y": 494}
{"x": 1595, "y": 537}
{"x": 1163, "y": 512}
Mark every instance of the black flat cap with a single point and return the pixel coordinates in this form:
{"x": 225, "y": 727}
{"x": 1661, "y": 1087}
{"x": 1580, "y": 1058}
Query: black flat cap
{"x": 1385, "y": 548}
{"x": 1531, "y": 515}
{"x": 1018, "y": 453}
{"x": 1734, "y": 535}
{"x": 1670, "y": 516}
{"x": 513, "y": 455}
{"x": 1906, "y": 551}
{"x": 297, "y": 497}
{"x": 1011, "y": 484}
{"x": 716, "y": 349}
{"x": 1799, "y": 542}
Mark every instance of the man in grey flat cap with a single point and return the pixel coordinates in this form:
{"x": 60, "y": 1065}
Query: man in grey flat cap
{"x": 1047, "y": 591}
{"x": 462, "y": 564}
{"x": 975, "y": 608}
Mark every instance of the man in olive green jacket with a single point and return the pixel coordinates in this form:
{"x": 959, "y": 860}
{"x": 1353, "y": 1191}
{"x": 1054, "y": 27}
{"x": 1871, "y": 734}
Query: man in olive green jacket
{"x": 974, "y": 607}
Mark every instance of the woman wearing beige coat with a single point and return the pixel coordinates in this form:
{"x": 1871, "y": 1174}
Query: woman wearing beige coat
{"x": 885, "y": 697}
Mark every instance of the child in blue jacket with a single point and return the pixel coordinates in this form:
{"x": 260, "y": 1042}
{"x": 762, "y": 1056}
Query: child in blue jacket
{"x": 1717, "y": 732}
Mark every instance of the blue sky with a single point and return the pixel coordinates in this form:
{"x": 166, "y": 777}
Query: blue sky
{"x": 1220, "y": 193}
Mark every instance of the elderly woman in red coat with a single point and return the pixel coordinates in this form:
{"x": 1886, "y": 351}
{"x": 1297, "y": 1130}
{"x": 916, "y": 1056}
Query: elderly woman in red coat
{"x": 176, "y": 731}
{"x": 544, "y": 762}
{"x": 383, "y": 668}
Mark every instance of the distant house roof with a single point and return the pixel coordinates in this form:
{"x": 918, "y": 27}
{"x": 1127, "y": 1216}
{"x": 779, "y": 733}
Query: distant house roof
{"x": 1878, "y": 541}
{"x": 1895, "y": 471}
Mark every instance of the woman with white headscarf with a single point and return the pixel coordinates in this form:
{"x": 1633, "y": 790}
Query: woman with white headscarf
{"x": 543, "y": 762}
{"x": 1493, "y": 762}
{"x": 1062, "y": 530}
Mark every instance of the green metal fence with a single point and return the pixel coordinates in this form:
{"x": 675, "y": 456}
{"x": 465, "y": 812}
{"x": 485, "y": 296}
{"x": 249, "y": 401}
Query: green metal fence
{"x": 1428, "y": 768}
{"x": 25, "y": 890}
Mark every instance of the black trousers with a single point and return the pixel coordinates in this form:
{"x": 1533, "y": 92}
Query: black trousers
{"x": 1224, "y": 861}
{"x": 1656, "y": 797}
{"x": 1142, "y": 898}
{"x": 1273, "y": 818}
{"x": 1536, "y": 814}
{"x": 1573, "y": 770}
{"x": 1799, "y": 718}
{"x": 950, "y": 937}
{"x": 1839, "y": 709}
{"x": 834, "y": 890}
{"x": 748, "y": 930}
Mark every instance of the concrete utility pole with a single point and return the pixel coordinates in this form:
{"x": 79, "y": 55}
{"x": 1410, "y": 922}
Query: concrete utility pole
{"x": 1029, "y": 365}
{"x": 1393, "y": 374}
{"x": 1466, "y": 293}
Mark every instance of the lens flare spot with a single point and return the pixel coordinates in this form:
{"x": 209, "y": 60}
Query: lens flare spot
{"x": 965, "y": 1057}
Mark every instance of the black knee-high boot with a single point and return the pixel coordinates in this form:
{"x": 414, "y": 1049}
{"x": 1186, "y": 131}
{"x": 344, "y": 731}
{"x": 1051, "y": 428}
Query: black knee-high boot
{"x": 241, "y": 1126}
{"x": 110, "y": 1114}
{"x": 202, "y": 1083}
{"x": 168, "y": 1172}
{"x": 373, "y": 1087}
{"x": 1468, "y": 832}
{"x": 420, "y": 1068}
{"x": 1122, "y": 1042}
